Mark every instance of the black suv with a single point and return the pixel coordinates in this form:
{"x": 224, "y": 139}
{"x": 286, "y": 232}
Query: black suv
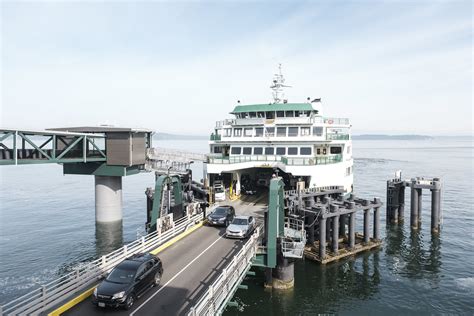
{"x": 128, "y": 281}
{"x": 222, "y": 216}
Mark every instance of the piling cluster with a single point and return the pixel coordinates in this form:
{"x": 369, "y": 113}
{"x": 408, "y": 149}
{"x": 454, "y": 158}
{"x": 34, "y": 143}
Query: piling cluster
{"x": 396, "y": 201}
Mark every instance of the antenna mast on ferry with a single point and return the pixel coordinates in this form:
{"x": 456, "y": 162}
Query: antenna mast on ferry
{"x": 277, "y": 87}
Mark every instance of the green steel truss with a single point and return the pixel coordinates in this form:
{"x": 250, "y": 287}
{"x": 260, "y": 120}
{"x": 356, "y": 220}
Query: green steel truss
{"x": 36, "y": 147}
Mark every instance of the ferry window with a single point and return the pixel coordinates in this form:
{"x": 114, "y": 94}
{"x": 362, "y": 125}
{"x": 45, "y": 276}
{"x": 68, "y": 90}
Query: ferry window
{"x": 305, "y": 131}
{"x": 270, "y": 115}
{"x": 218, "y": 150}
{"x": 270, "y": 131}
{"x": 292, "y": 150}
{"x": 305, "y": 151}
{"x": 318, "y": 151}
{"x": 257, "y": 150}
{"x": 281, "y": 131}
{"x": 228, "y": 132}
{"x": 324, "y": 151}
{"x": 252, "y": 114}
{"x": 290, "y": 113}
{"x": 281, "y": 151}
{"x": 237, "y": 132}
{"x": 318, "y": 130}
{"x": 235, "y": 150}
{"x": 307, "y": 113}
{"x": 292, "y": 131}
{"x": 247, "y": 151}
{"x": 269, "y": 150}
{"x": 280, "y": 113}
{"x": 301, "y": 114}
{"x": 261, "y": 114}
{"x": 248, "y": 131}
{"x": 336, "y": 150}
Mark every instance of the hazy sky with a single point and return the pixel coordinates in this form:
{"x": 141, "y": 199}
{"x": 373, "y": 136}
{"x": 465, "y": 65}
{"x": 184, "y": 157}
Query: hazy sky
{"x": 392, "y": 67}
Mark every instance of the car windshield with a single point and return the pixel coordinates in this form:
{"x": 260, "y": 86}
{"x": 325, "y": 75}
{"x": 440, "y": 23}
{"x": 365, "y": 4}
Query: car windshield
{"x": 220, "y": 211}
{"x": 240, "y": 221}
{"x": 219, "y": 190}
{"x": 119, "y": 275}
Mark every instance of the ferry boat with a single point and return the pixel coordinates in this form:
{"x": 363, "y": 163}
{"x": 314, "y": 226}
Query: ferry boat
{"x": 294, "y": 141}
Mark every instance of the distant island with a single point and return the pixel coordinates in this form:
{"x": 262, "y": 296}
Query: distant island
{"x": 166, "y": 136}
{"x": 390, "y": 137}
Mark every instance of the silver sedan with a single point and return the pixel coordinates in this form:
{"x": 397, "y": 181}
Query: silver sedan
{"x": 241, "y": 227}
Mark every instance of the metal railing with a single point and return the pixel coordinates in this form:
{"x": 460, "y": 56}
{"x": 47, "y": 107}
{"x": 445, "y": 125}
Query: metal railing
{"x": 55, "y": 292}
{"x": 215, "y": 300}
{"x": 337, "y": 136}
{"x": 292, "y": 245}
{"x": 279, "y": 159}
{"x": 315, "y": 190}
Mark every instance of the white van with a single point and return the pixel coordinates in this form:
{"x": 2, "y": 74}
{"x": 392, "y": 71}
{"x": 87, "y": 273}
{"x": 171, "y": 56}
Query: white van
{"x": 219, "y": 192}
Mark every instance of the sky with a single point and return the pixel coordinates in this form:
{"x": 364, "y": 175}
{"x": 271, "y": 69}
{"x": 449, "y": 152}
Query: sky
{"x": 392, "y": 67}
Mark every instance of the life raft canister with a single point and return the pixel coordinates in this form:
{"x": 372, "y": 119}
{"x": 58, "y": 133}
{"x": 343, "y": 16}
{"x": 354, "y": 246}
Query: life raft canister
{"x": 330, "y": 121}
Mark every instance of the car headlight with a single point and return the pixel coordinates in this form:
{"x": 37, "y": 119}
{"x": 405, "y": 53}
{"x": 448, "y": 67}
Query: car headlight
{"x": 221, "y": 220}
{"x": 95, "y": 292}
{"x": 119, "y": 295}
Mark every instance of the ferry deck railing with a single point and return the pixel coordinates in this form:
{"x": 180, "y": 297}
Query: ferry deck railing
{"x": 54, "y": 292}
{"x": 317, "y": 160}
{"x": 219, "y": 293}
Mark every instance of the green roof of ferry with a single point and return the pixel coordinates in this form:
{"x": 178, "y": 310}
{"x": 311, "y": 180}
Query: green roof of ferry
{"x": 272, "y": 107}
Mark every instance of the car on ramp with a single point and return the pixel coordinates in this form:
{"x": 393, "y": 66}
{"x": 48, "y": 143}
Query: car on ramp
{"x": 241, "y": 227}
{"x": 129, "y": 280}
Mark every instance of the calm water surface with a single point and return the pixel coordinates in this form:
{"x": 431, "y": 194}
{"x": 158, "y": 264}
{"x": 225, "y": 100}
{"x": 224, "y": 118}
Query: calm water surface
{"x": 47, "y": 228}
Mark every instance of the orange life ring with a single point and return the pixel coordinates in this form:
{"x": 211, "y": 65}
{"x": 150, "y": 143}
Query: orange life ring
{"x": 330, "y": 121}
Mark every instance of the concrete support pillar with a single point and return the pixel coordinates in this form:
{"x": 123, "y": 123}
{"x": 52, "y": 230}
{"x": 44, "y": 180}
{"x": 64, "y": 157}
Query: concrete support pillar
{"x": 436, "y": 206}
{"x": 283, "y": 274}
{"x": 322, "y": 238}
{"x": 342, "y": 226}
{"x": 401, "y": 200}
{"x": 268, "y": 277}
{"x": 420, "y": 199}
{"x": 366, "y": 226}
{"x": 376, "y": 220}
{"x": 328, "y": 229}
{"x": 311, "y": 219}
{"x": 414, "y": 206}
{"x": 335, "y": 234}
{"x": 352, "y": 226}
{"x": 108, "y": 199}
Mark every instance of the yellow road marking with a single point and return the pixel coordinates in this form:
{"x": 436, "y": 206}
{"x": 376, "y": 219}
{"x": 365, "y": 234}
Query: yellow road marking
{"x": 81, "y": 297}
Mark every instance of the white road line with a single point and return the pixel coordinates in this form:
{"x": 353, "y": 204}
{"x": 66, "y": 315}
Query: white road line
{"x": 176, "y": 275}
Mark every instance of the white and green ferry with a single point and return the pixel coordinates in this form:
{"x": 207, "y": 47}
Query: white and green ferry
{"x": 292, "y": 140}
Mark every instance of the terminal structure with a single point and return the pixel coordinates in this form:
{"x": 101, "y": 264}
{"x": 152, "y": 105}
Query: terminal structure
{"x": 107, "y": 153}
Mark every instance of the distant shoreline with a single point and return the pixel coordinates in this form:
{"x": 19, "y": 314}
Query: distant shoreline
{"x": 390, "y": 137}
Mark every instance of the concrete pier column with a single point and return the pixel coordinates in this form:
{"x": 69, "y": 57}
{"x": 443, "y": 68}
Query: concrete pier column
{"x": 352, "y": 230}
{"x": 335, "y": 234}
{"x": 352, "y": 226}
{"x": 283, "y": 277}
{"x": 108, "y": 199}
{"x": 420, "y": 199}
{"x": 342, "y": 226}
{"x": 311, "y": 218}
{"x": 376, "y": 220}
{"x": 268, "y": 278}
{"x": 322, "y": 238}
{"x": 435, "y": 206}
{"x": 328, "y": 228}
{"x": 401, "y": 201}
{"x": 414, "y": 206}
{"x": 366, "y": 226}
